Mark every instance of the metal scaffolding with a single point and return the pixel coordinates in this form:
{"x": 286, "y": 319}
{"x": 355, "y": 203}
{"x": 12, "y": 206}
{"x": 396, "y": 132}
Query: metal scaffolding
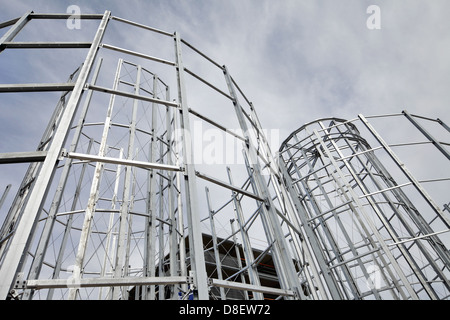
{"x": 136, "y": 192}
{"x": 367, "y": 228}
{"x": 118, "y": 208}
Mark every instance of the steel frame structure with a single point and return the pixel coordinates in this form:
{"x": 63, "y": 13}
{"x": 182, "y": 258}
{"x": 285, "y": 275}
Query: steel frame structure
{"x": 110, "y": 205}
{"x": 113, "y": 208}
{"x": 360, "y": 220}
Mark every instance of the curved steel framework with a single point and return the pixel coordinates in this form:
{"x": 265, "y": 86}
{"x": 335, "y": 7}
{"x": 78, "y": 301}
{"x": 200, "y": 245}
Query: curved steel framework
{"x": 112, "y": 205}
{"x": 367, "y": 227}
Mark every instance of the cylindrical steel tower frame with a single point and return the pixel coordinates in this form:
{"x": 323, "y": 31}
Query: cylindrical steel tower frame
{"x": 362, "y": 226}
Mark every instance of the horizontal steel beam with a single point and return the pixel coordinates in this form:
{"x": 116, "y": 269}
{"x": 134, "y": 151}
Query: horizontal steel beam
{"x": 99, "y": 282}
{"x": 8, "y": 23}
{"x": 130, "y": 95}
{"x": 359, "y": 256}
{"x": 384, "y": 190}
{"x": 137, "y": 54}
{"x": 427, "y": 134}
{"x": 208, "y": 83}
{"x": 250, "y": 287}
{"x": 46, "y": 45}
{"x": 142, "y": 26}
{"x": 418, "y": 238}
{"x": 65, "y": 16}
{"x": 202, "y": 54}
{"x": 20, "y": 157}
{"x": 356, "y": 154}
{"x": 228, "y": 186}
{"x": 195, "y": 113}
{"x": 133, "y": 163}
{"x": 15, "y": 29}
{"x": 36, "y": 87}
{"x": 330, "y": 210}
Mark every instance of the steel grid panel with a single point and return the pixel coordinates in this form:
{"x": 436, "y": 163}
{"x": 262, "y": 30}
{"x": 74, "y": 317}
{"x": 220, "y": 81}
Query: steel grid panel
{"x": 119, "y": 212}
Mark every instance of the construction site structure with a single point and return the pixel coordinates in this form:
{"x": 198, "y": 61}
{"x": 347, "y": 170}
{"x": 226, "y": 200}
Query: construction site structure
{"x": 155, "y": 179}
{"x": 374, "y": 232}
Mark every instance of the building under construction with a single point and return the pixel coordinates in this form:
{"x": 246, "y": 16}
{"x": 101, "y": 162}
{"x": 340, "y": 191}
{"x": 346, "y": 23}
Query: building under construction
{"x": 154, "y": 179}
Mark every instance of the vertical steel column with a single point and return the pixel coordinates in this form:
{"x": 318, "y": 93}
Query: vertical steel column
{"x": 18, "y": 247}
{"x": 248, "y": 251}
{"x": 180, "y": 216}
{"x": 124, "y": 218}
{"x": 274, "y": 236}
{"x": 161, "y": 253}
{"x": 69, "y": 222}
{"x": 93, "y": 194}
{"x": 288, "y": 208}
{"x": 195, "y": 233}
{"x": 150, "y": 233}
{"x": 215, "y": 248}
{"x": 238, "y": 255}
{"x": 108, "y": 257}
{"x": 51, "y": 217}
{"x": 286, "y": 266}
{"x": 173, "y": 243}
{"x": 127, "y": 263}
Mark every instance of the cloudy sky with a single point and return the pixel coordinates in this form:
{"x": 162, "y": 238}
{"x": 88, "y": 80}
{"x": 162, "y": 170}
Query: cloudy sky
{"x": 296, "y": 60}
{"x": 303, "y": 58}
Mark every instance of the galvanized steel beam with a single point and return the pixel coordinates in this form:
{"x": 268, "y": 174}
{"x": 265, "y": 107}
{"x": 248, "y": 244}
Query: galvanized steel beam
{"x": 17, "y": 251}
